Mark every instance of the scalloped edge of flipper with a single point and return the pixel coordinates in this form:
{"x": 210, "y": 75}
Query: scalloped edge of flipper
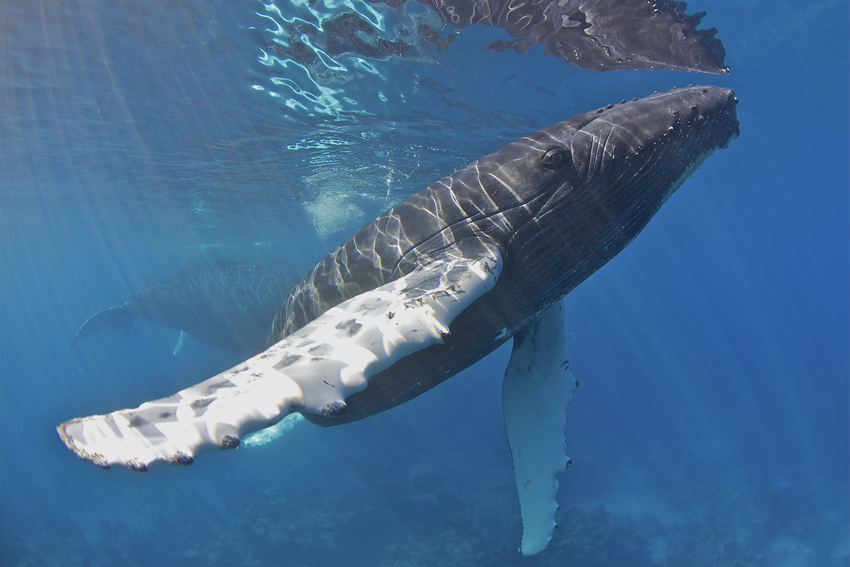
{"x": 211, "y": 415}
{"x": 536, "y": 390}
{"x": 313, "y": 370}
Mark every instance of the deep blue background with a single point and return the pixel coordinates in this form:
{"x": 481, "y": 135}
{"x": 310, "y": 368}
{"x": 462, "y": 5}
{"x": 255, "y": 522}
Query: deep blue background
{"x": 138, "y": 143}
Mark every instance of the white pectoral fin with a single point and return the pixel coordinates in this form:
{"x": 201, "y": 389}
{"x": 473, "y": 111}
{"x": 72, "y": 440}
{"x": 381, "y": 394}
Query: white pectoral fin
{"x": 536, "y": 390}
{"x": 312, "y": 371}
{"x": 211, "y": 415}
{"x": 181, "y": 342}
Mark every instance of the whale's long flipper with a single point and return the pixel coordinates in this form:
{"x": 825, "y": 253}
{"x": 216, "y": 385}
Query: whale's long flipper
{"x": 312, "y": 370}
{"x": 537, "y": 388}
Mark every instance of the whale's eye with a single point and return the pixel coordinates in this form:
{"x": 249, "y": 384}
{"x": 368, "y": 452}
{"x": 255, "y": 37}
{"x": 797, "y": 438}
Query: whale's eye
{"x": 555, "y": 157}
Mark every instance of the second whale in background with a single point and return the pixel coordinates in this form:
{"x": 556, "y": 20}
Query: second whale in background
{"x": 230, "y": 306}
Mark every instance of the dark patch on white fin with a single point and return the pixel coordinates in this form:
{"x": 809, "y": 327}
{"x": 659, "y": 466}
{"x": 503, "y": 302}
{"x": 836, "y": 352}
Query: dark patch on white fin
{"x": 312, "y": 371}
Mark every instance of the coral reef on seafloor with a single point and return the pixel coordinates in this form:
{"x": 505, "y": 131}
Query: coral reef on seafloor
{"x": 428, "y": 516}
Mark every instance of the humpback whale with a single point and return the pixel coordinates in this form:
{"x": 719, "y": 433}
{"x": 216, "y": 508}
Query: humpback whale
{"x": 230, "y": 306}
{"x": 431, "y": 286}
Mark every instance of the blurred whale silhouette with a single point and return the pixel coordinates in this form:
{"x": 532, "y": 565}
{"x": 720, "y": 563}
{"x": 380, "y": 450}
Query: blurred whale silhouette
{"x": 230, "y": 306}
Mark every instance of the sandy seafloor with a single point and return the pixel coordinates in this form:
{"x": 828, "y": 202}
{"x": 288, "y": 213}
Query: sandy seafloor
{"x": 140, "y": 143}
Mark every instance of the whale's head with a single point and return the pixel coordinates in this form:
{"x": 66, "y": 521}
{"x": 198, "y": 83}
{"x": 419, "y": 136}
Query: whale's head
{"x": 592, "y": 182}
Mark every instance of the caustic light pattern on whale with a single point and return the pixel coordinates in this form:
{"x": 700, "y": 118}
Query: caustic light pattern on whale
{"x": 439, "y": 281}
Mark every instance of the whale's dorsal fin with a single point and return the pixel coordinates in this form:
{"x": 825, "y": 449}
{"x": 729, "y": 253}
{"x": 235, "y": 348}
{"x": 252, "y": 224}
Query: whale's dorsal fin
{"x": 311, "y": 371}
{"x": 537, "y": 388}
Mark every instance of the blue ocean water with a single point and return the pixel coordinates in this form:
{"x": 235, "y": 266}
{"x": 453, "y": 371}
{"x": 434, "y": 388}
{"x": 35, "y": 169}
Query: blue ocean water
{"x": 140, "y": 142}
